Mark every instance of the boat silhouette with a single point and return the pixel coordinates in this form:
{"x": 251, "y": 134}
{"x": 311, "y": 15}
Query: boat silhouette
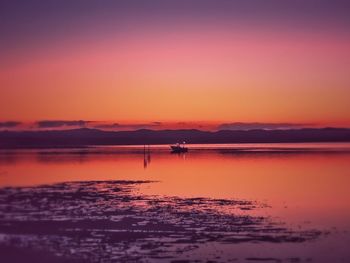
{"x": 179, "y": 148}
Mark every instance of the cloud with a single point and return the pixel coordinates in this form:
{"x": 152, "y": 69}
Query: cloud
{"x": 60, "y": 123}
{"x": 157, "y": 123}
{"x": 259, "y": 125}
{"x": 130, "y": 126}
{"x": 9, "y": 124}
{"x": 108, "y": 126}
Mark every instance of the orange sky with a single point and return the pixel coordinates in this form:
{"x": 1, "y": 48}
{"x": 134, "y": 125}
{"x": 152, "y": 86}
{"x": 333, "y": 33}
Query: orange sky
{"x": 182, "y": 72}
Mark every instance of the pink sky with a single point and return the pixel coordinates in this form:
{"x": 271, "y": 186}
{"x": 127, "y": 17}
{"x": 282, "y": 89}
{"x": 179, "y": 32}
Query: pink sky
{"x": 193, "y": 71}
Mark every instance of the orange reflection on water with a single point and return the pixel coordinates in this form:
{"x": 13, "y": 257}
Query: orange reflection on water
{"x": 299, "y": 186}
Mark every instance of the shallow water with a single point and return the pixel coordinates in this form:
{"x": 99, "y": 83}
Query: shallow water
{"x": 295, "y": 195}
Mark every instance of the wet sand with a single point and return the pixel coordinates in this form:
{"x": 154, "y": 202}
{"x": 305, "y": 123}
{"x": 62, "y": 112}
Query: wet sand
{"x": 108, "y": 221}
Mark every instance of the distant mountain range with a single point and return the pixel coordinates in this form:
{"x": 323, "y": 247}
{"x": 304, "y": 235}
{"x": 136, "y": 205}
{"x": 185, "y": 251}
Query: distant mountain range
{"x": 85, "y": 137}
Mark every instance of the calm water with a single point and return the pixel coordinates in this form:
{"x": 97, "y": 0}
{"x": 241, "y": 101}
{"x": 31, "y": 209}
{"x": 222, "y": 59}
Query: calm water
{"x": 304, "y": 187}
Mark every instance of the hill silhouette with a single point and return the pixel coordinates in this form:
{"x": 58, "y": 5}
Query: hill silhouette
{"x": 85, "y": 136}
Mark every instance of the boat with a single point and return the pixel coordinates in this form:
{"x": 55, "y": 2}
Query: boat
{"x": 179, "y": 148}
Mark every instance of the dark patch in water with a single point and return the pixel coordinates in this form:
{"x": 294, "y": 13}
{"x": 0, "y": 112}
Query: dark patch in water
{"x": 104, "y": 221}
{"x": 264, "y": 259}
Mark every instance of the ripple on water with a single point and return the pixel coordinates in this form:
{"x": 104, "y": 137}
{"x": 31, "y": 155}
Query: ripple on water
{"x": 103, "y": 221}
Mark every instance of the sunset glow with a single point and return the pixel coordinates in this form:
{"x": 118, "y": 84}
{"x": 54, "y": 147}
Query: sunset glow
{"x": 135, "y": 64}
{"x": 164, "y": 131}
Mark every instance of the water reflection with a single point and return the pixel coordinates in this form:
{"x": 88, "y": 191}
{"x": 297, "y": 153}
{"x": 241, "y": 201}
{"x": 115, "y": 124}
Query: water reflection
{"x": 99, "y": 221}
{"x": 305, "y": 189}
{"x": 146, "y": 156}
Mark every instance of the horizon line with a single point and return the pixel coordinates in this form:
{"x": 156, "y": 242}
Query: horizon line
{"x": 167, "y": 129}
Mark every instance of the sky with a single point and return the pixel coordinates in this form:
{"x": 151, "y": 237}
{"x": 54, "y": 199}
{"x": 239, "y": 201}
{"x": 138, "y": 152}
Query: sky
{"x": 207, "y": 64}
